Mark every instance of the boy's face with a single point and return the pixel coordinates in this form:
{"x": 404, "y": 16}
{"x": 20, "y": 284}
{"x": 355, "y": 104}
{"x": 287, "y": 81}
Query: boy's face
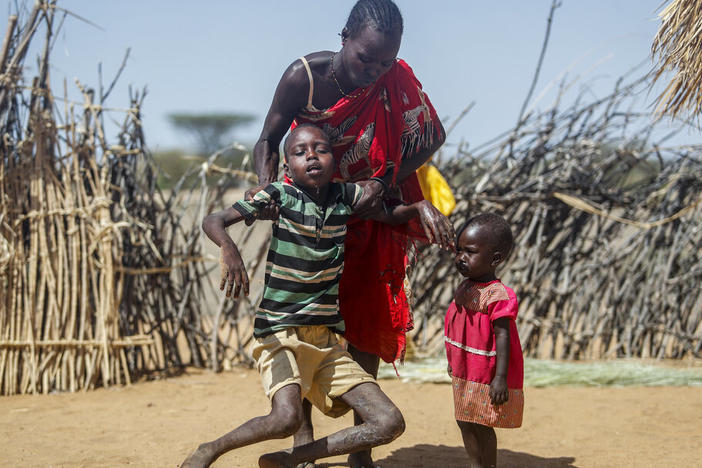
{"x": 476, "y": 257}
{"x": 310, "y": 163}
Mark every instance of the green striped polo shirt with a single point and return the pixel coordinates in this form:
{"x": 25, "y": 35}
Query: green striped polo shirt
{"x": 306, "y": 256}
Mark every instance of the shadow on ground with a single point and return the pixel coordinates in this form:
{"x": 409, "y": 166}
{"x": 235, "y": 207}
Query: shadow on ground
{"x": 435, "y": 456}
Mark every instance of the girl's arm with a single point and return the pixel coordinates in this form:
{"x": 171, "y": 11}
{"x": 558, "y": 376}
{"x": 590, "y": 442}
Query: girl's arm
{"x": 437, "y": 227}
{"x": 498, "y": 386}
{"x": 233, "y": 269}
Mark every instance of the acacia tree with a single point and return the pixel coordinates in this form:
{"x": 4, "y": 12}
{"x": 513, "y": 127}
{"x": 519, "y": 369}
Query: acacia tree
{"x": 210, "y": 131}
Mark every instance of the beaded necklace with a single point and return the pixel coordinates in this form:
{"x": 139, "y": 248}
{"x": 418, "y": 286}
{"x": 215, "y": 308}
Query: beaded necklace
{"x": 350, "y": 96}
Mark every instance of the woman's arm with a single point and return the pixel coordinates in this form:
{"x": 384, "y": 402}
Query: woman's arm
{"x": 399, "y": 214}
{"x": 289, "y": 98}
{"x": 374, "y": 191}
{"x": 287, "y": 101}
{"x": 437, "y": 227}
{"x": 410, "y": 164}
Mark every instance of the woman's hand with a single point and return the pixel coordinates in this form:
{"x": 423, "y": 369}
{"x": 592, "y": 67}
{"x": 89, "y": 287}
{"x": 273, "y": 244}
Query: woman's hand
{"x": 498, "y": 390}
{"x": 437, "y": 227}
{"x": 371, "y": 202}
{"x": 269, "y": 212}
{"x": 233, "y": 272}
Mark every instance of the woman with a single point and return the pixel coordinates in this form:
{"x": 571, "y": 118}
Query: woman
{"x": 382, "y": 128}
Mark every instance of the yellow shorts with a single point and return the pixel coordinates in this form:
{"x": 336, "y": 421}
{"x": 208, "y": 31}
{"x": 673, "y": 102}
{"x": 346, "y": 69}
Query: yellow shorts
{"x": 312, "y": 358}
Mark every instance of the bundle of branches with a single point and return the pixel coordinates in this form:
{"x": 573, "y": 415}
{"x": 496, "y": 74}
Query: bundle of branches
{"x": 676, "y": 49}
{"x": 59, "y": 326}
{"x": 171, "y": 288}
{"x": 607, "y": 224}
{"x": 102, "y": 277}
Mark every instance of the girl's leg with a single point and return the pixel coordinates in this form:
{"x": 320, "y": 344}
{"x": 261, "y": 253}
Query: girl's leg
{"x": 489, "y": 444}
{"x": 382, "y": 423}
{"x": 369, "y": 362}
{"x": 480, "y": 443}
{"x": 283, "y": 421}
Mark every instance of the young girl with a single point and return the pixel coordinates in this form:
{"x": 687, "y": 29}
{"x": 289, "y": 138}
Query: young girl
{"x": 482, "y": 345}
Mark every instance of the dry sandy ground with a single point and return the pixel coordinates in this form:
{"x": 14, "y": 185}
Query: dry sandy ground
{"x": 154, "y": 424}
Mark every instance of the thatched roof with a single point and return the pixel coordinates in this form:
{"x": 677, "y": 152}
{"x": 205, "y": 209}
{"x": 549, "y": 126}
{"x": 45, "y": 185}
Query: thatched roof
{"x": 677, "y": 48}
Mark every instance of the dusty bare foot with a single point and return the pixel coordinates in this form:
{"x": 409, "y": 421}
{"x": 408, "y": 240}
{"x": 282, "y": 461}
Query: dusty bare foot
{"x": 202, "y": 457}
{"x": 275, "y": 460}
{"x": 361, "y": 460}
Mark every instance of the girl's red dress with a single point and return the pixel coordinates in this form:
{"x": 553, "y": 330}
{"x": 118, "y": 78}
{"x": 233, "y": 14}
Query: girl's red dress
{"x": 471, "y": 353}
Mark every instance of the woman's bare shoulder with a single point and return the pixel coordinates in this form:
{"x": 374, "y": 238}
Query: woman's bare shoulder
{"x": 295, "y": 79}
{"x": 319, "y": 61}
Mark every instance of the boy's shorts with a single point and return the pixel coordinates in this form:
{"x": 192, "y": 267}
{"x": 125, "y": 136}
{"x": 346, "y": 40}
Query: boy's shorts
{"x": 311, "y": 357}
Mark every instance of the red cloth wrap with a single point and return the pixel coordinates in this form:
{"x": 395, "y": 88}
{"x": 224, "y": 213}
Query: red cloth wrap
{"x": 397, "y": 119}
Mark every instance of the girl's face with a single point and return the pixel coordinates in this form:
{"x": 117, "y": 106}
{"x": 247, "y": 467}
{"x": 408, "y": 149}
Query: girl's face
{"x": 476, "y": 257}
{"x": 369, "y": 54}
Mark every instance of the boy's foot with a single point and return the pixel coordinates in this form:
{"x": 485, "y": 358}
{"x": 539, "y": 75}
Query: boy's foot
{"x": 275, "y": 460}
{"x": 302, "y": 437}
{"x": 361, "y": 460}
{"x": 202, "y": 457}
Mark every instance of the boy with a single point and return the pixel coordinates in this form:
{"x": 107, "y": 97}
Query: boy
{"x": 296, "y": 350}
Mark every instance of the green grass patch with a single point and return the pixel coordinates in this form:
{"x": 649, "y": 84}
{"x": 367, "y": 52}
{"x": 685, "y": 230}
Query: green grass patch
{"x": 545, "y": 373}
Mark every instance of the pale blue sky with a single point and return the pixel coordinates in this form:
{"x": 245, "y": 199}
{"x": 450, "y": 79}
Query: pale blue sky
{"x": 228, "y": 55}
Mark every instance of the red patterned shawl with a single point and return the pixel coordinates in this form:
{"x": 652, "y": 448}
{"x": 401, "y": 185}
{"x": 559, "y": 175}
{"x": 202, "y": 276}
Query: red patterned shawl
{"x": 370, "y": 134}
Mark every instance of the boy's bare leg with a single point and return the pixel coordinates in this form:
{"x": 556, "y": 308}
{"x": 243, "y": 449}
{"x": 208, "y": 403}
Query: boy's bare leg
{"x": 369, "y": 362}
{"x": 480, "y": 443}
{"x": 382, "y": 423}
{"x": 283, "y": 421}
{"x": 305, "y": 434}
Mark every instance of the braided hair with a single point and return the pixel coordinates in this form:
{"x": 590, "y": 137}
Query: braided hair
{"x": 382, "y": 15}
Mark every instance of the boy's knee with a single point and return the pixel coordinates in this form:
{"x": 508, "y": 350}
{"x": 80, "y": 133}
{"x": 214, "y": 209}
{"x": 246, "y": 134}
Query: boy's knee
{"x": 285, "y": 420}
{"x": 290, "y": 425}
{"x": 391, "y": 424}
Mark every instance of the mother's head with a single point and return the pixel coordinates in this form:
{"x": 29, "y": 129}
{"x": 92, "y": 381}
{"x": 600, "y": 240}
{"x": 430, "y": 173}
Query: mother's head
{"x": 371, "y": 40}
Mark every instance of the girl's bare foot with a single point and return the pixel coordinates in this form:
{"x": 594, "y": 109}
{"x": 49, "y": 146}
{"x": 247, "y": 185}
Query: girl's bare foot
{"x": 202, "y": 457}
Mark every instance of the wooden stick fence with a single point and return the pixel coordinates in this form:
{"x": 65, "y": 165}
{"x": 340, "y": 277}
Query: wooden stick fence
{"x": 102, "y": 275}
{"x": 607, "y": 225}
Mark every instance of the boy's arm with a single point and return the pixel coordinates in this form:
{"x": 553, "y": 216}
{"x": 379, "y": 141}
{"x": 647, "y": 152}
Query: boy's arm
{"x": 233, "y": 269}
{"x": 215, "y": 225}
{"x": 437, "y": 227}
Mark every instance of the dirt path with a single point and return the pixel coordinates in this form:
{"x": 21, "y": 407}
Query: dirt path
{"x": 156, "y": 424}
